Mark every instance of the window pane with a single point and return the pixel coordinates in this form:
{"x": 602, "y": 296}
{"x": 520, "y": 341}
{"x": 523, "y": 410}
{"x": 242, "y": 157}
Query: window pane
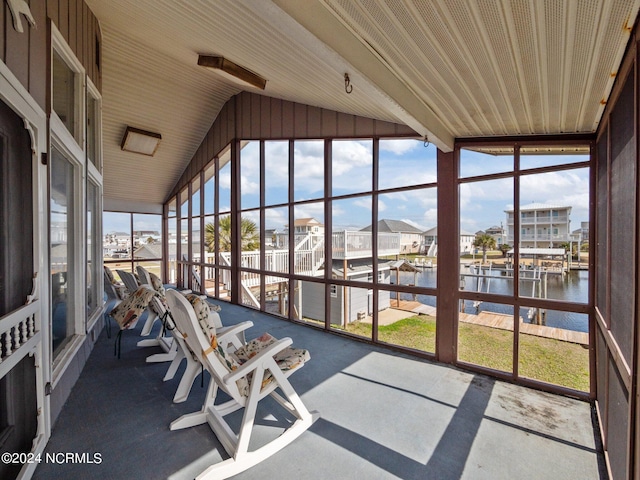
{"x": 93, "y": 246}
{"x": 117, "y": 235}
{"x": 308, "y": 298}
{"x": 352, "y": 166}
{"x": 309, "y": 243}
{"x": 276, "y": 172}
{"x": 184, "y": 203}
{"x": 224, "y": 194}
{"x": 209, "y": 189}
{"x": 483, "y": 266}
{"x": 250, "y": 239}
{"x": 406, "y": 162}
{"x": 352, "y": 245}
{"x": 209, "y": 239}
{"x": 195, "y": 197}
{"x": 485, "y": 335}
{"x": 172, "y": 246}
{"x": 250, "y": 286}
{"x": 489, "y": 160}
{"x": 147, "y": 236}
{"x": 224, "y": 236}
{"x": 557, "y": 355}
{"x": 351, "y": 310}
{"x": 184, "y": 240}
{"x": 93, "y": 130}
{"x": 554, "y": 252}
{"x": 250, "y": 175}
{"x": 308, "y": 169}
{"x": 276, "y": 240}
{"x": 172, "y": 207}
{"x": 196, "y": 245}
{"x": 210, "y": 281}
{"x": 63, "y": 284}
{"x": 64, "y": 94}
{"x": 224, "y": 280}
{"x": 277, "y": 295}
{"x": 541, "y": 156}
{"x": 410, "y": 323}
{"x": 403, "y": 219}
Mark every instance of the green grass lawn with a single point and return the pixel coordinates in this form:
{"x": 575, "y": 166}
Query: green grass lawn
{"x": 544, "y": 359}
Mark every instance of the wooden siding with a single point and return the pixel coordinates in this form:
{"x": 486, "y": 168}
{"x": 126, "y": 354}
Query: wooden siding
{"x": 617, "y": 263}
{"x": 249, "y": 116}
{"x": 26, "y": 53}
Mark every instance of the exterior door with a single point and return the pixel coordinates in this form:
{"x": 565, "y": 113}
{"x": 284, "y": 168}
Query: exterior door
{"x": 18, "y": 405}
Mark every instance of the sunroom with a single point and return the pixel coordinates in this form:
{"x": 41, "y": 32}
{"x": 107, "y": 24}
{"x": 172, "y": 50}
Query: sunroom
{"x": 288, "y": 160}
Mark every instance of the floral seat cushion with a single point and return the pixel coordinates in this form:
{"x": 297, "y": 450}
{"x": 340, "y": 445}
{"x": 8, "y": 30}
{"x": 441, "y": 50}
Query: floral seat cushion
{"x": 128, "y": 312}
{"x": 157, "y": 285}
{"x": 287, "y": 359}
{"x": 201, "y": 309}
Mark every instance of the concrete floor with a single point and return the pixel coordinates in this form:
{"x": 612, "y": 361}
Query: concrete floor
{"x": 383, "y": 416}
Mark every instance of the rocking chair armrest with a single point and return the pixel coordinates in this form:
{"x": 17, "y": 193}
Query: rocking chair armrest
{"x": 252, "y": 364}
{"x": 233, "y": 330}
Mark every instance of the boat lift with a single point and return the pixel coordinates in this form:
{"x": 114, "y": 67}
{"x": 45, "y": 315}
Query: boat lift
{"x": 537, "y": 276}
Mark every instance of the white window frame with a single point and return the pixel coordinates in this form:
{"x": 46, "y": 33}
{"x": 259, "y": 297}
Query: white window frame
{"x": 94, "y": 174}
{"x": 78, "y": 219}
{"x": 93, "y": 92}
{"x": 72, "y": 146}
{"x": 97, "y": 245}
{"x": 59, "y": 45}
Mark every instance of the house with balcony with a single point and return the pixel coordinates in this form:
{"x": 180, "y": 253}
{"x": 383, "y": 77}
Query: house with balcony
{"x": 410, "y": 236}
{"x": 498, "y": 233}
{"x": 541, "y": 225}
{"x": 108, "y": 107}
{"x": 430, "y": 242}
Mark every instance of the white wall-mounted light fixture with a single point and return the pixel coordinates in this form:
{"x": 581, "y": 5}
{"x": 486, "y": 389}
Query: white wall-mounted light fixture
{"x": 225, "y": 65}
{"x": 140, "y": 141}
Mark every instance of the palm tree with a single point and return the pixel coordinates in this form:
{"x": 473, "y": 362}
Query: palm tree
{"x": 486, "y": 242}
{"x": 250, "y": 237}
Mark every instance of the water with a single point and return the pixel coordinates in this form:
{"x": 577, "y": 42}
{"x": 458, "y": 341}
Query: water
{"x": 572, "y": 287}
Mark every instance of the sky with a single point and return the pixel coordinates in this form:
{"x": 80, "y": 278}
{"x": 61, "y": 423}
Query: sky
{"x": 403, "y": 162}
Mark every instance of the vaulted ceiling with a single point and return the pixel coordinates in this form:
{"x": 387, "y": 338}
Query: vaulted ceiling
{"x": 446, "y": 68}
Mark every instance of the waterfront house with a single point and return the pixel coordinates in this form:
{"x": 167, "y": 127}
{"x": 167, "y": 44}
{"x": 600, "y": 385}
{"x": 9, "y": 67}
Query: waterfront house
{"x": 430, "y": 242}
{"x": 541, "y": 225}
{"x": 498, "y": 233}
{"x": 410, "y": 236}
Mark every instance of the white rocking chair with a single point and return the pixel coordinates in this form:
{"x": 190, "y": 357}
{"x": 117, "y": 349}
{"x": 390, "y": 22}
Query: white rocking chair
{"x": 232, "y": 337}
{"x": 267, "y": 359}
{"x": 157, "y": 306}
{"x": 131, "y": 283}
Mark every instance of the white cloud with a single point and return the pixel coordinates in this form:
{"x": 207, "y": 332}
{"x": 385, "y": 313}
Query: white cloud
{"x": 276, "y": 218}
{"x": 400, "y": 146}
{"x": 310, "y": 210}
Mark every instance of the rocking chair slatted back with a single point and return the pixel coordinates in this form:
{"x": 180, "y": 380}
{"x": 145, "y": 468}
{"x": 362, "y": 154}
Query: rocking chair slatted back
{"x": 186, "y": 322}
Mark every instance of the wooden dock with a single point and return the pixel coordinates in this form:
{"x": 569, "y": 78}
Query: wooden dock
{"x": 505, "y": 322}
{"x": 501, "y": 321}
